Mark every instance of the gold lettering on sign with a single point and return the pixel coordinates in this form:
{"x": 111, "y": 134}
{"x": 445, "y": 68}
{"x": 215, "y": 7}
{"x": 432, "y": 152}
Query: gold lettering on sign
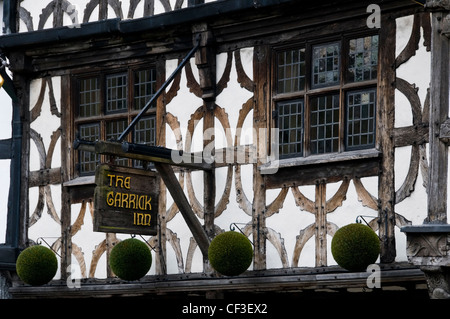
{"x": 119, "y": 181}
{"x": 141, "y": 219}
{"x": 127, "y": 200}
{"x": 134, "y": 201}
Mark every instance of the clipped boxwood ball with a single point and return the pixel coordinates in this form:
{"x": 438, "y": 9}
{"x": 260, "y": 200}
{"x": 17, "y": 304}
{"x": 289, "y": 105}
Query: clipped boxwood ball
{"x": 230, "y": 253}
{"x": 130, "y": 259}
{"x": 36, "y": 265}
{"x": 355, "y": 246}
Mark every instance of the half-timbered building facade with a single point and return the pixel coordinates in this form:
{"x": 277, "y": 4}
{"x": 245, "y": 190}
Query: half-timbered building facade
{"x": 307, "y": 116}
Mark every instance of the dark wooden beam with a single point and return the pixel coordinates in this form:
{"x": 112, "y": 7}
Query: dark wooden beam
{"x": 170, "y": 180}
{"x": 386, "y": 120}
{"x": 439, "y": 104}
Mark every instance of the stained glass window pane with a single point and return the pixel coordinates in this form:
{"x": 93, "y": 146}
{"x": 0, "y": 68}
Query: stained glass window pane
{"x": 326, "y": 65}
{"x": 363, "y": 59}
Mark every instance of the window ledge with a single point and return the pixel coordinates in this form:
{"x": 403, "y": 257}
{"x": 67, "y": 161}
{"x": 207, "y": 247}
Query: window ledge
{"x": 80, "y": 181}
{"x": 319, "y": 159}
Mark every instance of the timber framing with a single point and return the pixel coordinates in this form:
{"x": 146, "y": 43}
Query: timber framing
{"x": 227, "y": 27}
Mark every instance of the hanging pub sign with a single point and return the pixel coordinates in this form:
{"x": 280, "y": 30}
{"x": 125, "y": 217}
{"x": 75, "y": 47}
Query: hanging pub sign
{"x": 125, "y": 200}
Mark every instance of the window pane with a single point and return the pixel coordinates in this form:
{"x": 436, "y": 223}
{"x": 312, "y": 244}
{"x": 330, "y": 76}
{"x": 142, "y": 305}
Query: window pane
{"x": 145, "y": 133}
{"x": 116, "y": 93}
{"x": 363, "y": 59}
{"x": 113, "y": 131}
{"x": 89, "y": 98}
{"x": 88, "y": 160}
{"x": 291, "y": 71}
{"x": 324, "y": 128}
{"x": 326, "y": 65}
{"x": 144, "y": 87}
{"x": 361, "y": 119}
{"x": 290, "y": 125}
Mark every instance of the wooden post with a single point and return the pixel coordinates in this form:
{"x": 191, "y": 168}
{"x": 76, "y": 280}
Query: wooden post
{"x": 66, "y": 212}
{"x": 261, "y": 70}
{"x": 160, "y": 261}
{"x": 205, "y": 59}
{"x": 439, "y": 104}
{"x": 321, "y": 224}
{"x": 386, "y": 120}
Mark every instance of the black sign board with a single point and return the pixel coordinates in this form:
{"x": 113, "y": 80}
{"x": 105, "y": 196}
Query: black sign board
{"x": 125, "y": 200}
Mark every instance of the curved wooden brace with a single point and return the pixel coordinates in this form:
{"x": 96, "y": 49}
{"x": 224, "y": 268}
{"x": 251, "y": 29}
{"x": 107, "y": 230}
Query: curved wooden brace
{"x": 303, "y": 202}
{"x": 96, "y": 255}
{"x": 190, "y": 254}
{"x": 410, "y": 91}
{"x": 174, "y": 241}
{"x": 364, "y": 196}
{"x": 37, "y": 139}
{"x": 115, "y": 4}
{"x": 241, "y": 198}
{"x": 79, "y": 256}
{"x": 51, "y": 148}
{"x": 26, "y": 17}
{"x": 37, "y": 108}
{"x": 76, "y": 226}
{"x": 278, "y": 242}
{"x": 277, "y": 203}
{"x": 225, "y": 78}
{"x": 338, "y": 198}
{"x": 301, "y": 240}
{"x": 413, "y": 44}
{"x": 51, "y": 95}
{"x": 192, "y": 84}
{"x": 409, "y": 183}
{"x": 242, "y": 77}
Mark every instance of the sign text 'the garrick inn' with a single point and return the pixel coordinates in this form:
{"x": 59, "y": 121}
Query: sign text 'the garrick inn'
{"x": 125, "y": 200}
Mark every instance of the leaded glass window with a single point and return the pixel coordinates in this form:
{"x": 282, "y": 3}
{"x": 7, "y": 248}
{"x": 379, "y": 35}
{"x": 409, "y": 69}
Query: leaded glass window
{"x": 325, "y": 96}
{"x": 106, "y": 104}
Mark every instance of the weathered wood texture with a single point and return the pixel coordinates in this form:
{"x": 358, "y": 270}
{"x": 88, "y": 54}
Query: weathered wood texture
{"x": 293, "y": 280}
{"x": 439, "y": 104}
{"x": 385, "y": 121}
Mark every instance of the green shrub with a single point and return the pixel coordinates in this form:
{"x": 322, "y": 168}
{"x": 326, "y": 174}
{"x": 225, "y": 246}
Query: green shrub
{"x": 230, "y": 253}
{"x": 36, "y": 265}
{"x": 130, "y": 259}
{"x": 355, "y": 246}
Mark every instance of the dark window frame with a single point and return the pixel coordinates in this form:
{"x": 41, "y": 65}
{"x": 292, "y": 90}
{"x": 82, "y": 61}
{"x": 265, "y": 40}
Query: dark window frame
{"x": 110, "y": 118}
{"x": 345, "y": 86}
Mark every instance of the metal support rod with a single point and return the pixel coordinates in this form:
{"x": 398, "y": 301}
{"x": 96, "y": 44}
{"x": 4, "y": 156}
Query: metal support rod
{"x": 158, "y": 93}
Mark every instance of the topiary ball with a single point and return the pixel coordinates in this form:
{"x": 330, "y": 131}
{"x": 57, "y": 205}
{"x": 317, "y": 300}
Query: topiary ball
{"x": 130, "y": 259}
{"x": 36, "y": 265}
{"x": 355, "y": 246}
{"x": 230, "y": 253}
